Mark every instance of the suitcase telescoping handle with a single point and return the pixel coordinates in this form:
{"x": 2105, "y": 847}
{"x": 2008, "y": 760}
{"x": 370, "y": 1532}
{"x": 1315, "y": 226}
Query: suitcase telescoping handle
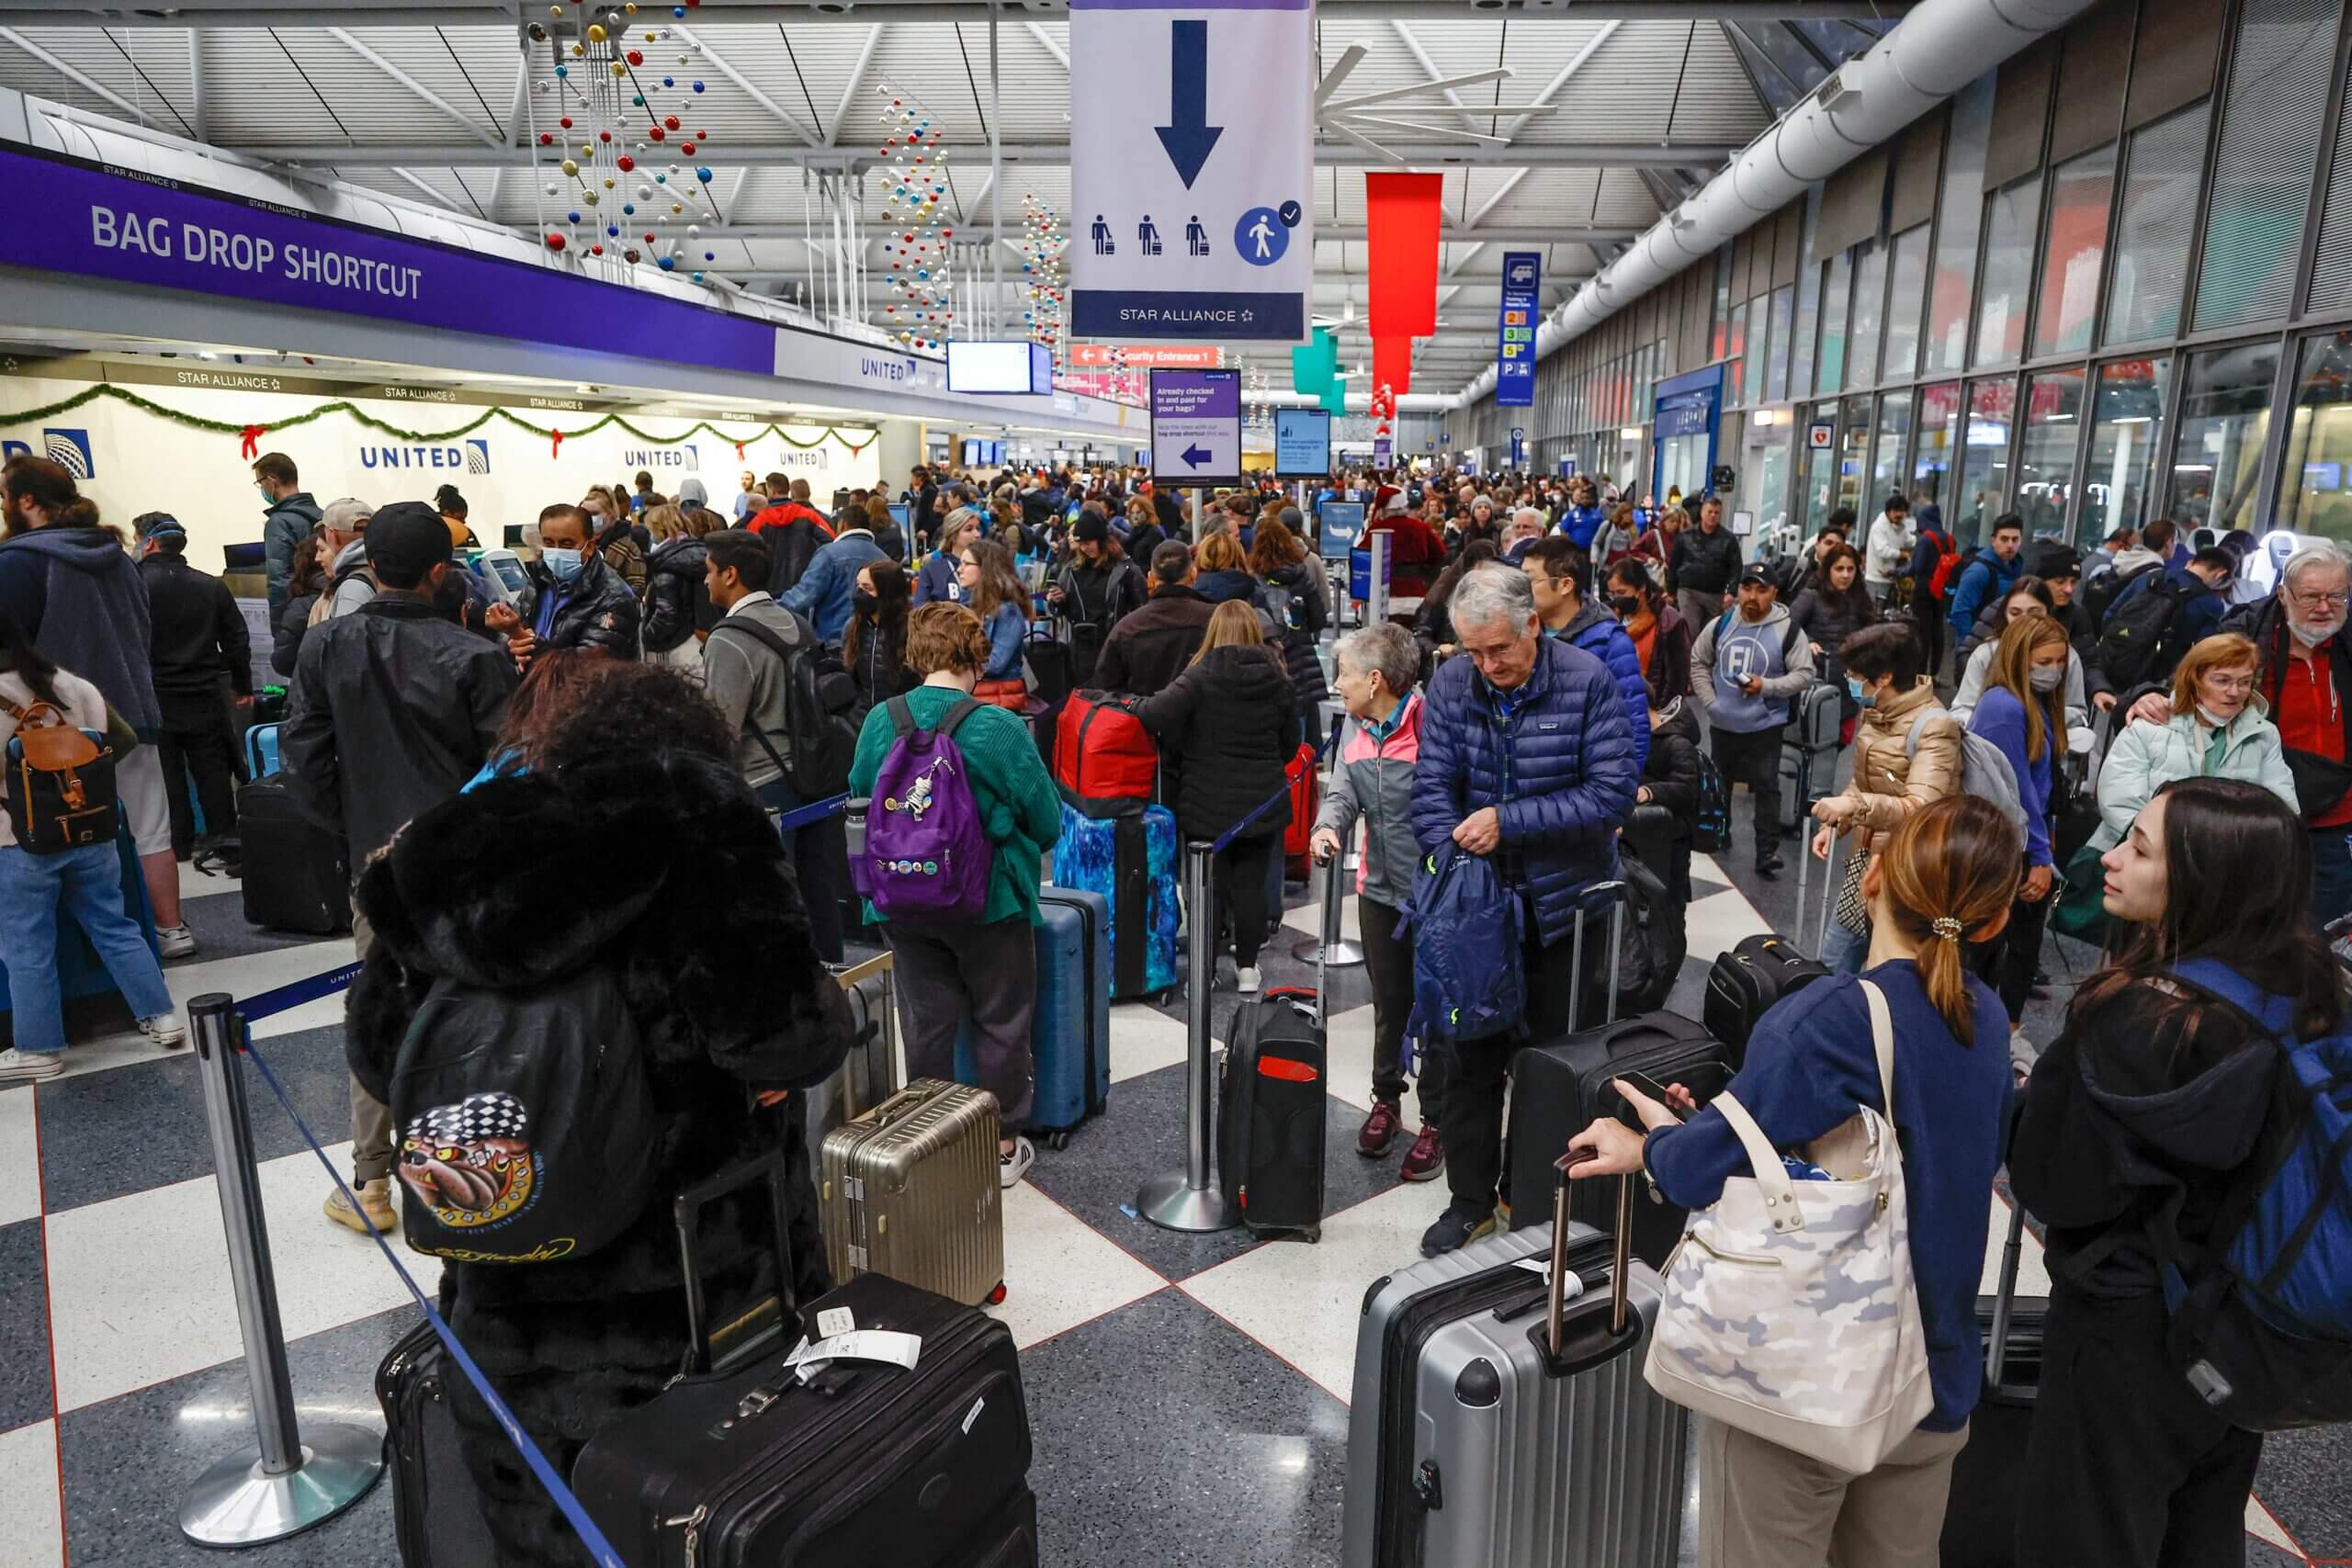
{"x": 702, "y": 1334}
{"x": 1621, "y": 1261}
{"x": 1616, "y": 893}
{"x": 1996, "y": 1349}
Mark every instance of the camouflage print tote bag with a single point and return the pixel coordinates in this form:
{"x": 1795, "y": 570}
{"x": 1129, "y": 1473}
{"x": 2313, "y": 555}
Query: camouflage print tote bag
{"x": 1790, "y": 1309}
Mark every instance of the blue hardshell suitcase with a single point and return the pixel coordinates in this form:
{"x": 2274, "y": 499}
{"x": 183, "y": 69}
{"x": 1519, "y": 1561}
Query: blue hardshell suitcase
{"x": 1131, "y": 860}
{"x": 261, "y": 751}
{"x": 1071, "y": 1039}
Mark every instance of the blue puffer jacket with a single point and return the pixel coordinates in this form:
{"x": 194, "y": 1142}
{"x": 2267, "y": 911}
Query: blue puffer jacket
{"x": 1559, "y": 767}
{"x": 1597, "y": 632}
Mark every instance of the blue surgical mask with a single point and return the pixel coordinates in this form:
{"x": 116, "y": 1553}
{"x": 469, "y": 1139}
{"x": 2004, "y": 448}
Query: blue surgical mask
{"x": 564, "y": 563}
{"x": 1860, "y": 694}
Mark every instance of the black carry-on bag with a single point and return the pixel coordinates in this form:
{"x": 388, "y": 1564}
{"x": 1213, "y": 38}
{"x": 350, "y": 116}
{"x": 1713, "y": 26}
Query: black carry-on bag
{"x": 1271, "y": 1109}
{"x": 1981, "y": 1515}
{"x": 742, "y": 1463}
{"x": 1495, "y": 1420}
{"x": 436, "y": 1512}
{"x": 1758, "y": 971}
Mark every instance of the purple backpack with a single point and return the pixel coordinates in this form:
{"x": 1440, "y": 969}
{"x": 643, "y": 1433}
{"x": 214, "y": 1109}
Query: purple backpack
{"x": 926, "y": 858}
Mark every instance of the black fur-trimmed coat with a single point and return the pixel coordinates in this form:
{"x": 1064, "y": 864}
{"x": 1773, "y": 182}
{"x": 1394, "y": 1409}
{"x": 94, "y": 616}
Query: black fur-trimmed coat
{"x": 666, "y": 874}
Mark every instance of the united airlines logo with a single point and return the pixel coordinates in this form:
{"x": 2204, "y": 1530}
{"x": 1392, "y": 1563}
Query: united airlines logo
{"x": 477, "y": 455}
{"x": 69, "y": 450}
{"x": 472, "y": 456}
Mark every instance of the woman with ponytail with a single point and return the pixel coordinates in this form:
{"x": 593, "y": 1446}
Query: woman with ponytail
{"x": 67, "y": 584}
{"x": 1945, "y": 877}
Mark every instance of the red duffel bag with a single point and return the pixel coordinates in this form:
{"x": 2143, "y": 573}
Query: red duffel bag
{"x": 1106, "y": 762}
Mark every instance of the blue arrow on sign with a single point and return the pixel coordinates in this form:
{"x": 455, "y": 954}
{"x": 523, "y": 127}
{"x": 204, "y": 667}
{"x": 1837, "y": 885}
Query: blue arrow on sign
{"x": 1194, "y": 457}
{"x": 1190, "y": 139}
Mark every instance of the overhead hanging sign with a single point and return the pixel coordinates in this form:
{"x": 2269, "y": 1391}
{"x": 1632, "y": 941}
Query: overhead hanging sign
{"x": 1144, "y": 356}
{"x": 1515, "y": 349}
{"x": 1196, "y": 427}
{"x": 1189, "y": 213}
{"x": 1302, "y": 444}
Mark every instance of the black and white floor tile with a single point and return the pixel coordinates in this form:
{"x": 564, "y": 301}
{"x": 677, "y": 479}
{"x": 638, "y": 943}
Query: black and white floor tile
{"x": 1189, "y": 1395}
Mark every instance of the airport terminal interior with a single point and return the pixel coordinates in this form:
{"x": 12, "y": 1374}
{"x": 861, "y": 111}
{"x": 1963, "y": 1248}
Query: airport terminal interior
{"x": 2087, "y": 263}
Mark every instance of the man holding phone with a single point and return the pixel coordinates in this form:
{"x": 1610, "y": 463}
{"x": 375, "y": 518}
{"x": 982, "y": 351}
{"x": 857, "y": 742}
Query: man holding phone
{"x": 1745, "y": 669}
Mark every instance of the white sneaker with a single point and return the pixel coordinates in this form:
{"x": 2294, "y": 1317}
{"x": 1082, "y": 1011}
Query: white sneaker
{"x": 176, "y": 941}
{"x": 2023, "y": 1054}
{"x": 24, "y": 1067}
{"x": 1245, "y": 980}
{"x": 1012, "y": 1167}
{"x": 165, "y": 1030}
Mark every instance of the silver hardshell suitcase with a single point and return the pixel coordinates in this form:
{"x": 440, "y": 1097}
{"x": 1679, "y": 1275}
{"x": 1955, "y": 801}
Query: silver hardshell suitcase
{"x": 1493, "y": 1427}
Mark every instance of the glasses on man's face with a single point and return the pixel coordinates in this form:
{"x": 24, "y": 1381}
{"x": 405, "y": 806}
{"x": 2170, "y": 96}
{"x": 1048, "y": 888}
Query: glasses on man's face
{"x": 2336, "y": 601}
{"x": 2231, "y": 683}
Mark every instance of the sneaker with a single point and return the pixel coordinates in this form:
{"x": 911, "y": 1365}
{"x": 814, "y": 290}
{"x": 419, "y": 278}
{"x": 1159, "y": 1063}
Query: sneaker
{"x": 1245, "y": 979}
{"x": 1454, "y": 1229}
{"x": 2023, "y": 1054}
{"x": 1012, "y": 1167}
{"x": 1769, "y": 869}
{"x": 1426, "y": 1157}
{"x": 165, "y": 1030}
{"x": 1379, "y": 1130}
{"x": 374, "y": 1202}
{"x": 176, "y": 941}
{"x": 24, "y": 1067}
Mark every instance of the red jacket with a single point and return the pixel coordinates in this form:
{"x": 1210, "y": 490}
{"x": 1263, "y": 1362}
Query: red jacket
{"x": 1413, "y": 547}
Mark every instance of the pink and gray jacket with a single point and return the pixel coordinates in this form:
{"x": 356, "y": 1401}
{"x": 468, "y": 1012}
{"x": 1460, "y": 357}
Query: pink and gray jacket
{"x": 1373, "y": 781}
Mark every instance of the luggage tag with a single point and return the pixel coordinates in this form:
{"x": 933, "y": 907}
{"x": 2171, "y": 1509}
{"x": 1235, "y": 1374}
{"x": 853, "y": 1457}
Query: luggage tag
{"x": 886, "y": 1345}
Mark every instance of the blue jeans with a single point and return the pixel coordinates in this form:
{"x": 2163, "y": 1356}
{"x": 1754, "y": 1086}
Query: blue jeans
{"x": 1842, "y": 952}
{"x": 2331, "y": 874}
{"x": 85, "y": 884}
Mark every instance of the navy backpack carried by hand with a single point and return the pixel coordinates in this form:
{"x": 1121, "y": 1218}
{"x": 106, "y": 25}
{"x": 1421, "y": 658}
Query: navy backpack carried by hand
{"x": 1465, "y": 928}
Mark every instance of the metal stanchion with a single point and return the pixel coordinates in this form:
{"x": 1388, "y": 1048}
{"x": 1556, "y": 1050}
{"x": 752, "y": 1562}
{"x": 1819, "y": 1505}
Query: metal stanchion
{"x": 1189, "y": 1199}
{"x": 1331, "y": 950}
{"x": 279, "y": 1484}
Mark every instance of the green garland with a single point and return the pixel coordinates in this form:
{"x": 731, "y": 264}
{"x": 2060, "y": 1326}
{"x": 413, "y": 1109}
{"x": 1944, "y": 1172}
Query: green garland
{"x": 225, "y": 427}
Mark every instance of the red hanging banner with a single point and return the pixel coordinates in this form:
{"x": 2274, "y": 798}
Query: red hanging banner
{"x": 1392, "y": 364}
{"x": 1401, "y": 214}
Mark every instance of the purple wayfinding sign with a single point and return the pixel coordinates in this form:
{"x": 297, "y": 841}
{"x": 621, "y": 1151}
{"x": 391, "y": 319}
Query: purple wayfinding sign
{"x": 1196, "y": 426}
{"x": 147, "y": 230}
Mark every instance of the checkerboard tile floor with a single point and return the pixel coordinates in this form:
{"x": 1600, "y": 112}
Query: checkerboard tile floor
{"x": 1188, "y": 1394}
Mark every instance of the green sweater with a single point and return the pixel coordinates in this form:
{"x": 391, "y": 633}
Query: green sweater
{"x": 1020, "y": 810}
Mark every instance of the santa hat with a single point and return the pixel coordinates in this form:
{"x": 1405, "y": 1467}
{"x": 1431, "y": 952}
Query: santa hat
{"x": 1389, "y": 502}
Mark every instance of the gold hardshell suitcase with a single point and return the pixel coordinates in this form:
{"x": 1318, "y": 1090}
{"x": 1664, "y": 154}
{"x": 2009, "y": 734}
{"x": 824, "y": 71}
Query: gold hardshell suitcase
{"x": 909, "y": 1190}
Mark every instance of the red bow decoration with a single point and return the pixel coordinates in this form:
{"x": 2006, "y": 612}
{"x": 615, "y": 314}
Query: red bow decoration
{"x": 739, "y": 451}
{"x": 251, "y": 437}
{"x": 556, "y": 448}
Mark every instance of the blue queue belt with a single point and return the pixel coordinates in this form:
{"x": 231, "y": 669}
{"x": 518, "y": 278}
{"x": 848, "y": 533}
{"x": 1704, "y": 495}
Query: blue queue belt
{"x": 801, "y": 816}
{"x": 327, "y": 985}
{"x": 1271, "y": 801}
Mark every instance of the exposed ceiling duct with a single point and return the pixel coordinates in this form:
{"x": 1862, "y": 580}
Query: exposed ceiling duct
{"x": 1938, "y": 48}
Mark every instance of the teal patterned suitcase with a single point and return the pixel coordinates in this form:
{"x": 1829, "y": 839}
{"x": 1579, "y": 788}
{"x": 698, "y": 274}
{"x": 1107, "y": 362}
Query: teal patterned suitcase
{"x": 1131, "y": 860}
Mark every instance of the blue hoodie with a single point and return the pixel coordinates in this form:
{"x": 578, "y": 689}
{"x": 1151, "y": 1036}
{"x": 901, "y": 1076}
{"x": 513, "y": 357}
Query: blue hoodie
{"x": 1580, "y": 523}
{"x": 81, "y": 602}
{"x": 1599, "y": 634}
{"x": 1986, "y": 578}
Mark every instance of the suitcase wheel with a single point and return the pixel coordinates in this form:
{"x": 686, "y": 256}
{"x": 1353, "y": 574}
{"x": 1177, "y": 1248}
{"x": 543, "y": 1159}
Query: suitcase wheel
{"x": 1313, "y": 1232}
{"x": 1058, "y": 1141}
{"x": 996, "y": 1297}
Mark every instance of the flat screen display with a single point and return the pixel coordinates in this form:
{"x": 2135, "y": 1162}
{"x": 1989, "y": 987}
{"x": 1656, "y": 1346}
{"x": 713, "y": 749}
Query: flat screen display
{"x": 1021, "y": 369}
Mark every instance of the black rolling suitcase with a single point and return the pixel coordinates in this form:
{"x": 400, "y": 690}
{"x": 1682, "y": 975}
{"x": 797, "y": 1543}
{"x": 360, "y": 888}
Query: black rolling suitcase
{"x": 1981, "y": 1515}
{"x": 740, "y": 1463}
{"x": 1746, "y": 981}
{"x": 437, "y": 1516}
{"x": 1270, "y": 1091}
{"x": 294, "y": 876}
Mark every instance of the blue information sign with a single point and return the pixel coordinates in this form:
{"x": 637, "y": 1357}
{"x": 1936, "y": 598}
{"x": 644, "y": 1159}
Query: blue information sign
{"x": 1302, "y": 444}
{"x": 1515, "y": 349}
{"x": 1342, "y": 524}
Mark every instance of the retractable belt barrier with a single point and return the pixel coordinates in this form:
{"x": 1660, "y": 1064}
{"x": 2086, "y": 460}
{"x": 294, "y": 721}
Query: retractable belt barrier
{"x": 286, "y": 1484}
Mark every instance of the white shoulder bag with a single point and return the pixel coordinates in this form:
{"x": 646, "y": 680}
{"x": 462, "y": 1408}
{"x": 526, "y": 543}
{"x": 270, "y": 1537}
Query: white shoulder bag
{"x": 1790, "y": 1310}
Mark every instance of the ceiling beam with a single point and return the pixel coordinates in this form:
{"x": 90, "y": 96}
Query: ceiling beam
{"x": 1541, "y": 155}
{"x": 492, "y": 13}
{"x": 196, "y": 82}
{"x": 78, "y": 78}
{"x": 856, "y": 80}
{"x": 749, "y": 88}
{"x": 487, "y": 135}
{"x": 1045, "y": 41}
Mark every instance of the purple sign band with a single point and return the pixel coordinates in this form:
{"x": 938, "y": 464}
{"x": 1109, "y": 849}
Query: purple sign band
{"x": 164, "y": 234}
{"x": 1196, "y": 394}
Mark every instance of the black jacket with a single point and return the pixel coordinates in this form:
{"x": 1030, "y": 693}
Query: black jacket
{"x": 1305, "y": 584}
{"x": 285, "y": 637}
{"x": 1231, "y": 727}
{"x": 1150, "y": 647}
{"x": 665, "y": 873}
{"x": 1095, "y": 599}
{"x": 1216, "y": 587}
{"x": 196, "y": 630}
{"x": 2155, "y": 1095}
{"x": 1671, "y": 776}
{"x": 1704, "y": 562}
{"x": 598, "y": 611}
{"x": 1169, "y": 511}
{"x": 677, "y": 602}
{"x": 391, "y": 710}
{"x": 1142, "y": 542}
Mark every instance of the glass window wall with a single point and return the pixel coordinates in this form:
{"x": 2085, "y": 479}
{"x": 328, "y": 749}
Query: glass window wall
{"x": 1854, "y": 454}
{"x": 1770, "y": 485}
{"x": 2225, "y": 418}
{"x": 2073, "y": 252}
{"x": 1776, "y": 374}
{"x": 2127, "y": 428}
{"x": 1939, "y": 446}
{"x": 2053, "y": 434}
{"x": 1869, "y": 312}
{"x": 2312, "y": 497}
{"x": 1959, "y": 219}
{"x": 1808, "y": 306}
{"x": 1820, "y": 468}
{"x": 1837, "y": 288}
{"x": 1886, "y": 454}
{"x": 2009, "y": 220}
{"x": 1983, "y": 493}
{"x": 2159, "y": 218}
{"x": 1906, "y": 295}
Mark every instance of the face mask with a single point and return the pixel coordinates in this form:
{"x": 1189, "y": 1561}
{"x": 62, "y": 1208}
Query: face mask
{"x": 262, "y": 490}
{"x": 2212, "y": 720}
{"x": 2312, "y": 637}
{"x": 564, "y": 563}
{"x": 862, "y": 601}
{"x": 2048, "y": 677}
{"x": 1855, "y": 689}
{"x": 1627, "y": 607}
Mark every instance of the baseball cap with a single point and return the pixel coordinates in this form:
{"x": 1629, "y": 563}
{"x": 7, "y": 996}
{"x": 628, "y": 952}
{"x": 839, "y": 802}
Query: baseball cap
{"x": 350, "y": 515}
{"x": 405, "y": 539}
{"x": 1757, "y": 571}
